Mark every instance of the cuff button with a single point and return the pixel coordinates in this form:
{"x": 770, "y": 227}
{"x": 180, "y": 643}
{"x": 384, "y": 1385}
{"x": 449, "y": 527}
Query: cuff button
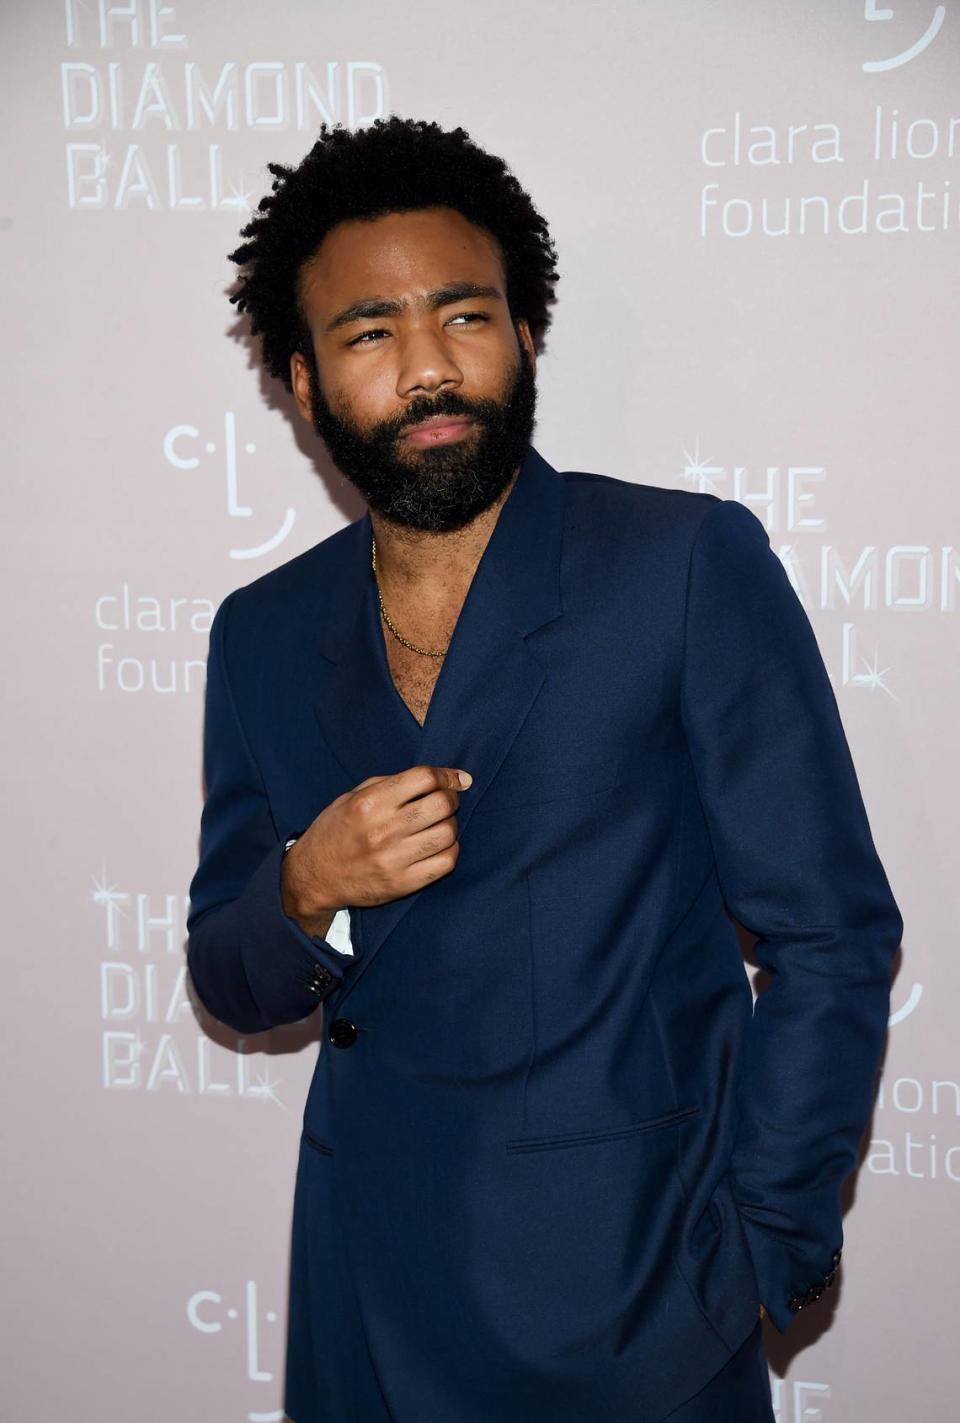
{"x": 320, "y": 979}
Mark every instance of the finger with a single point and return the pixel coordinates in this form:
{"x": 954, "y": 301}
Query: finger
{"x": 431, "y": 867}
{"x": 427, "y": 809}
{"x": 425, "y": 844}
{"x": 418, "y": 780}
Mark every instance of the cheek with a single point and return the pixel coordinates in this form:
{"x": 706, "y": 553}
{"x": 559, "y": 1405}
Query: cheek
{"x": 343, "y": 403}
{"x": 358, "y": 407}
{"x": 488, "y": 374}
{"x": 367, "y": 397}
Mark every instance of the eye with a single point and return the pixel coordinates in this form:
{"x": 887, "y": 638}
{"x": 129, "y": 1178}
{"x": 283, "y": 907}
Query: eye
{"x": 470, "y": 316}
{"x": 362, "y": 339}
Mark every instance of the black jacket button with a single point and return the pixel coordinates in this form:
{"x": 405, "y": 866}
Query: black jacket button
{"x": 342, "y": 1033}
{"x": 320, "y": 978}
{"x": 796, "y": 1304}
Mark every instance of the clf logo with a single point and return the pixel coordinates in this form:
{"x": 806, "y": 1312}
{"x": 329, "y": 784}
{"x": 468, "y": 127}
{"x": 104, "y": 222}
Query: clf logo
{"x": 209, "y": 1313}
{"x": 184, "y": 447}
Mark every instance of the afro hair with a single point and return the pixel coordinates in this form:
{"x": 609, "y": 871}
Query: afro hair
{"x": 394, "y": 165}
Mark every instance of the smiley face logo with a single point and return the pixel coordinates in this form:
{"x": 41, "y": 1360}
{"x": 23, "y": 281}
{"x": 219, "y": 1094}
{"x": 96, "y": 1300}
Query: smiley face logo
{"x": 877, "y": 66}
{"x": 916, "y": 993}
{"x": 184, "y": 446}
{"x": 210, "y": 1314}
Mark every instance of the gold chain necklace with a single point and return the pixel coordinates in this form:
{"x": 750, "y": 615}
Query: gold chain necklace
{"x": 427, "y": 652}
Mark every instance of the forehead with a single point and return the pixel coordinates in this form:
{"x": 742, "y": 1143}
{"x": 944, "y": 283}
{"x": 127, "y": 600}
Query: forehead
{"x": 401, "y": 252}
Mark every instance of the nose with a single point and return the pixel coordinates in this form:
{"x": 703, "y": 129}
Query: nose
{"x": 426, "y": 365}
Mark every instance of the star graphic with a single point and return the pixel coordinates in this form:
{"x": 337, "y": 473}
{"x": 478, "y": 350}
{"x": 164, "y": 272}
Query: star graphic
{"x": 109, "y": 894}
{"x": 264, "y": 1087}
{"x": 238, "y": 197}
{"x": 697, "y": 471}
{"x": 873, "y": 677}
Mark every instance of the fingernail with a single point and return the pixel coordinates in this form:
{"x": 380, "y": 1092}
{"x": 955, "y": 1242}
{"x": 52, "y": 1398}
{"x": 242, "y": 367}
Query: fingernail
{"x": 465, "y": 778}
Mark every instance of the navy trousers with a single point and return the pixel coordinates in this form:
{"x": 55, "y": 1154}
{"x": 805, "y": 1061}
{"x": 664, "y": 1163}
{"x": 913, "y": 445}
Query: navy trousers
{"x": 739, "y": 1393}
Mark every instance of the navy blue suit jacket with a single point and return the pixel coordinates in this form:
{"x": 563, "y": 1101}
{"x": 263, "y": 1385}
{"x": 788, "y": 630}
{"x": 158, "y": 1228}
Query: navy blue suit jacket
{"x": 552, "y": 1157}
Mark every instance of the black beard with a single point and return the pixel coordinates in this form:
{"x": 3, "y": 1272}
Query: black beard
{"x": 433, "y": 488}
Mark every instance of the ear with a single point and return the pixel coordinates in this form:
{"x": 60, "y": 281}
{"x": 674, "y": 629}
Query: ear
{"x": 522, "y": 327}
{"x": 300, "y": 380}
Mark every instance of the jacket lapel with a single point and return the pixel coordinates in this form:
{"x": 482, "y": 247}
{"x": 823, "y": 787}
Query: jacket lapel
{"x": 487, "y": 683}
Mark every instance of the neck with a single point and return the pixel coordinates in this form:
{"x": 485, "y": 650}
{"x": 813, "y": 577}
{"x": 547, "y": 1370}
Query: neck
{"x": 442, "y": 562}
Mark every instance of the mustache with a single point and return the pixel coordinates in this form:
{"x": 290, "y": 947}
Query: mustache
{"x": 485, "y": 410}
{"x": 420, "y": 410}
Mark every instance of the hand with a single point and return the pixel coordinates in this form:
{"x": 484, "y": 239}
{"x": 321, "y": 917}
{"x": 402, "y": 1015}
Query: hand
{"x": 386, "y": 838}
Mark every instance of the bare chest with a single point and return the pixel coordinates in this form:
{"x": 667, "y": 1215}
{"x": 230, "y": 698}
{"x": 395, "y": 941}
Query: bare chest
{"x": 414, "y": 675}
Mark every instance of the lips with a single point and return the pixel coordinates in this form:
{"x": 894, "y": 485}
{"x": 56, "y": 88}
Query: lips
{"x": 439, "y": 430}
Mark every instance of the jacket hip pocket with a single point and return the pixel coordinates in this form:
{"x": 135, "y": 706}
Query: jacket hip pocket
{"x": 585, "y": 1138}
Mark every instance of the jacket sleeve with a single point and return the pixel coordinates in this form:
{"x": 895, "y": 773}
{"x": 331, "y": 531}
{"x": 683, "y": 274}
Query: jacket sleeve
{"x": 252, "y": 965}
{"x": 797, "y": 866}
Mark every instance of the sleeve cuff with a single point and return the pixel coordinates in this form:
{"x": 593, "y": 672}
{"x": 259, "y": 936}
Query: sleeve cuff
{"x": 783, "y": 1288}
{"x": 285, "y": 967}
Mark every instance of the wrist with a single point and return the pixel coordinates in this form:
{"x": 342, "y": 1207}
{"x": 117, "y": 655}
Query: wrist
{"x": 301, "y": 903}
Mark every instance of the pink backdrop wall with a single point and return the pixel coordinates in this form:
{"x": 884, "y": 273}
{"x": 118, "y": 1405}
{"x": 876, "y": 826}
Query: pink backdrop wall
{"x": 757, "y": 211}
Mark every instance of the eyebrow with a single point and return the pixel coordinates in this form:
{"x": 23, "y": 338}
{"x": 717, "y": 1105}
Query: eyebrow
{"x": 383, "y": 306}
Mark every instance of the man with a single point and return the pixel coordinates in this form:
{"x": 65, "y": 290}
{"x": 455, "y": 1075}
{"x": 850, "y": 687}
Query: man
{"x": 553, "y": 1165}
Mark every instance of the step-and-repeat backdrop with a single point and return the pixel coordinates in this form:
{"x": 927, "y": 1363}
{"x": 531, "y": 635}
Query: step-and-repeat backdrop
{"x": 757, "y": 213}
